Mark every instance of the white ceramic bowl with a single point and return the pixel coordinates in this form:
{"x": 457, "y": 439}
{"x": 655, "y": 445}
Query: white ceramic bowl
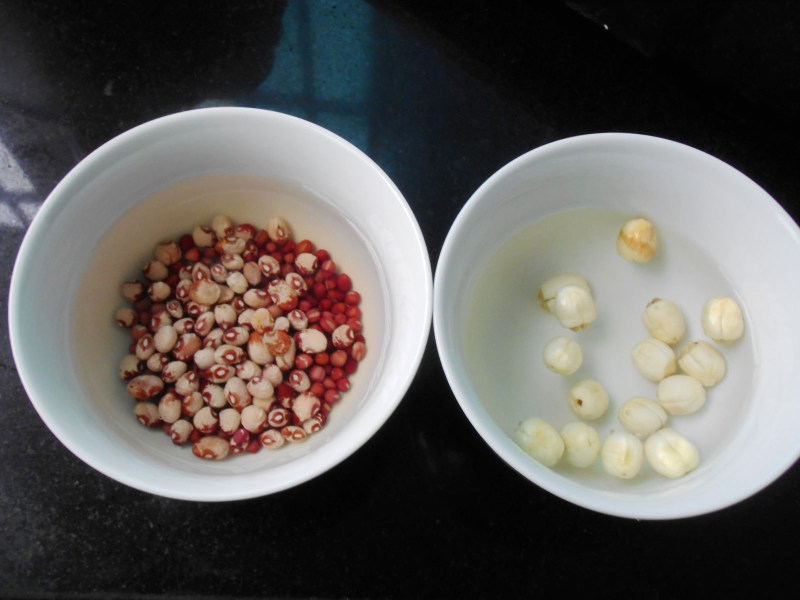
{"x": 558, "y": 209}
{"x": 99, "y": 226}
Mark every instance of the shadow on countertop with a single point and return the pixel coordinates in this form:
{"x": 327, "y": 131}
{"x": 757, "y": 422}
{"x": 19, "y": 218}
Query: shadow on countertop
{"x": 735, "y": 50}
{"x": 741, "y": 54}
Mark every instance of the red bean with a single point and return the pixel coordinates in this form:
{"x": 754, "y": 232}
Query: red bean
{"x": 261, "y": 238}
{"x": 186, "y": 242}
{"x": 304, "y": 246}
{"x": 284, "y": 392}
{"x": 143, "y": 304}
{"x": 316, "y": 373}
{"x": 137, "y": 331}
{"x": 339, "y": 358}
{"x": 192, "y": 255}
{"x": 344, "y": 283}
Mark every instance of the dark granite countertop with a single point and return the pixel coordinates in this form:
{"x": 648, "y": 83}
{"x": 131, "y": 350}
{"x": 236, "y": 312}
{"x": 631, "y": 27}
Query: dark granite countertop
{"x": 440, "y": 95}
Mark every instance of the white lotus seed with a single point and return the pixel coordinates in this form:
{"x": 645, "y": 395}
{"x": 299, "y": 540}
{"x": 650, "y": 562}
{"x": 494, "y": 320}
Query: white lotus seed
{"x": 637, "y": 240}
{"x": 539, "y": 439}
{"x": 563, "y": 355}
{"x": 622, "y": 454}
{"x": 703, "y": 362}
{"x": 722, "y": 320}
{"x": 588, "y": 399}
{"x": 664, "y": 321}
{"x": 642, "y": 416}
{"x": 574, "y": 307}
{"x": 581, "y": 444}
{"x": 670, "y": 454}
{"x": 681, "y": 394}
{"x": 654, "y": 359}
{"x": 551, "y": 287}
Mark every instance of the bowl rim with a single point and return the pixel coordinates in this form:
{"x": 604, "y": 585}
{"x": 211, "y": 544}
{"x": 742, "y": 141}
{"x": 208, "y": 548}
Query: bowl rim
{"x": 479, "y": 417}
{"x": 261, "y": 486}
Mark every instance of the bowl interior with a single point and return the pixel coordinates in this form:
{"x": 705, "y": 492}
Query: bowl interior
{"x": 559, "y": 209}
{"x": 157, "y": 182}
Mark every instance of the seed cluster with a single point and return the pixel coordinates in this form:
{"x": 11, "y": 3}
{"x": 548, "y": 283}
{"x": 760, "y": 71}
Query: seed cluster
{"x": 242, "y": 338}
{"x": 569, "y": 298}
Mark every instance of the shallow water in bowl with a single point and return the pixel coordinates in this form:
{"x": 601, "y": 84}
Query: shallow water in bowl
{"x": 506, "y": 330}
{"x": 169, "y": 213}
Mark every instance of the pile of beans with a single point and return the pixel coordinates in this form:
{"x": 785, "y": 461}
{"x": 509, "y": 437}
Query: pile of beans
{"x": 242, "y": 338}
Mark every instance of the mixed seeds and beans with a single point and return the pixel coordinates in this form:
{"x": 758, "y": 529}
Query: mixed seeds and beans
{"x": 241, "y": 338}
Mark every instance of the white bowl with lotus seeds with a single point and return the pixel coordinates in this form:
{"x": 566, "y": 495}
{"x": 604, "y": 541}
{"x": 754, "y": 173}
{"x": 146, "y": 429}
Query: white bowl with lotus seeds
{"x": 559, "y": 209}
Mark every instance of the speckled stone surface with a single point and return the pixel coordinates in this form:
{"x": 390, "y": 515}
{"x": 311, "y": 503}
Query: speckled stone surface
{"x": 440, "y": 95}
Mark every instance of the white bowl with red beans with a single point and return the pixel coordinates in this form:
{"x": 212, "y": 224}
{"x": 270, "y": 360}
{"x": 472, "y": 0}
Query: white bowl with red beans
{"x": 118, "y": 218}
